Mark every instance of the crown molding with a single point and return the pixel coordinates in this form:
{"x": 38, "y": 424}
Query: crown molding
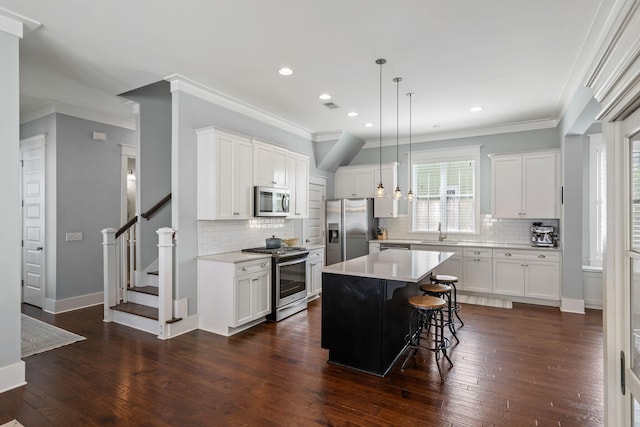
{"x": 81, "y": 113}
{"x": 327, "y": 136}
{"x": 16, "y": 24}
{"x": 465, "y": 133}
{"x": 186, "y": 85}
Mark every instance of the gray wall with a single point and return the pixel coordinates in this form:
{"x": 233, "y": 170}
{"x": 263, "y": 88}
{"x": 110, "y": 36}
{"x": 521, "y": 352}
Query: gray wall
{"x": 83, "y": 195}
{"x": 154, "y": 163}
{"x": 491, "y": 144}
{"x": 10, "y": 214}
{"x": 191, "y": 113}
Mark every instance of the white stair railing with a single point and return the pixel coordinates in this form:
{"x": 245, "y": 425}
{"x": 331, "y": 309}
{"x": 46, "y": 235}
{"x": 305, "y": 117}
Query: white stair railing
{"x": 165, "y": 278}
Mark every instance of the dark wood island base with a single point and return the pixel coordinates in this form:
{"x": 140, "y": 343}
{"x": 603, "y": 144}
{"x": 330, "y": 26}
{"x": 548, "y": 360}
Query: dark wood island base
{"x": 365, "y": 321}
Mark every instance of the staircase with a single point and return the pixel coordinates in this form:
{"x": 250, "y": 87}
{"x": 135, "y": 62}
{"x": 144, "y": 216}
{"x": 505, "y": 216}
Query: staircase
{"x": 149, "y": 306}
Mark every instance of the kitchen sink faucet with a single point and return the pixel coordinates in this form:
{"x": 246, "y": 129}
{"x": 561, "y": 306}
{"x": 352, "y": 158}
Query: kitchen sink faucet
{"x": 441, "y": 236}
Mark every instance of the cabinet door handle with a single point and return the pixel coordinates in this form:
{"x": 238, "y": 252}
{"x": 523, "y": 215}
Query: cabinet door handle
{"x": 541, "y": 256}
{"x": 476, "y": 259}
{"x": 507, "y": 254}
{"x": 264, "y": 264}
{"x": 476, "y": 252}
{"x": 244, "y": 268}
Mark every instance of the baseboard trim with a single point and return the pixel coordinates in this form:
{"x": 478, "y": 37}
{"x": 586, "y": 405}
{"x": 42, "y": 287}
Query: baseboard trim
{"x": 74, "y": 303}
{"x": 12, "y": 376}
{"x": 569, "y": 305}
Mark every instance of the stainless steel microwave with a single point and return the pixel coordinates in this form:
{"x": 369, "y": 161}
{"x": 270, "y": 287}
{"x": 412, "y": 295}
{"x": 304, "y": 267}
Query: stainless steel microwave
{"x": 271, "y": 201}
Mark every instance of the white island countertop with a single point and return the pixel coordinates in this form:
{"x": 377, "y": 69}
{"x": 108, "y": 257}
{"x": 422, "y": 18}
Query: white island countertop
{"x": 392, "y": 264}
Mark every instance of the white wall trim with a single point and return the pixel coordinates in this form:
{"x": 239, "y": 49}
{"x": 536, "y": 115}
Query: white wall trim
{"x": 15, "y": 24}
{"x": 570, "y": 305}
{"x": 465, "y": 133}
{"x": 186, "y": 85}
{"x": 73, "y": 303}
{"x": 317, "y": 179}
{"x": 12, "y": 376}
{"x": 81, "y": 113}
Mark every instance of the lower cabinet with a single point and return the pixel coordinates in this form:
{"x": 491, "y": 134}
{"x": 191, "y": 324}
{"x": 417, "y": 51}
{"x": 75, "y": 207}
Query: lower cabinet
{"x": 315, "y": 263}
{"x": 533, "y": 274}
{"x": 477, "y": 270}
{"x": 233, "y": 296}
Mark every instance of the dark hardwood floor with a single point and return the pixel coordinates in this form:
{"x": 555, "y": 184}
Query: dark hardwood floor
{"x": 528, "y": 366}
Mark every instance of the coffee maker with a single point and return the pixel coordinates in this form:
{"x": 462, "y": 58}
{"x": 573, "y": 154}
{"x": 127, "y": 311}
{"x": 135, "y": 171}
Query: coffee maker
{"x": 543, "y": 235}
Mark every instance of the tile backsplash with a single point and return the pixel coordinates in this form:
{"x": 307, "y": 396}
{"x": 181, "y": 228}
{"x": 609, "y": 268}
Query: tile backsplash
{"x": 216, "y": 237}
{"x": 499, "y": 230}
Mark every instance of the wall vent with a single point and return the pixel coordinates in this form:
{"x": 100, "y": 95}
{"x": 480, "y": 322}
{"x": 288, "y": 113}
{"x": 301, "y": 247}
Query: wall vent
{"x": 331, "y": 105}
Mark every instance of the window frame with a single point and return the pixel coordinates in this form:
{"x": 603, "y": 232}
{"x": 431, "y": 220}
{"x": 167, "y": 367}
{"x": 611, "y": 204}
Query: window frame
{"x": 441, "y": 156}
{"x": 597, "y": 208}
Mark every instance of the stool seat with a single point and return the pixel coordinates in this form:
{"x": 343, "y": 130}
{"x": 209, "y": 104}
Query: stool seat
{"x": 426, "y": 302}
{"x": 435, "y": 288}
{"x": 443, "y": 278}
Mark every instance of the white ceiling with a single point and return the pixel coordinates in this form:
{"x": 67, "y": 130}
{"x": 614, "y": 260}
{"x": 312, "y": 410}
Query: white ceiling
{"x": 521, "y": 60}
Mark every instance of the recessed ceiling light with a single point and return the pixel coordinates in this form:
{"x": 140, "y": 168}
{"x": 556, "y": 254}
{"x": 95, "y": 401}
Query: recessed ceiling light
{"x": 475, "y": 109}
{"x": 324, "y": 96}
{"x": 368, "y": 125}
{"x": 352, "y": 114}
{"x": 285, "y": 71}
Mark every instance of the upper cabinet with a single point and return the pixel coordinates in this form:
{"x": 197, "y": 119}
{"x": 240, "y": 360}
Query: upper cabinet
{"x": 230, "y": 165}
{"x": 225, "y": 181}
{"x": 360, "y": 181}
{"x": 270, "y": 166}
{"x": 297, "y": 180}
{"x": 526, "y": 185}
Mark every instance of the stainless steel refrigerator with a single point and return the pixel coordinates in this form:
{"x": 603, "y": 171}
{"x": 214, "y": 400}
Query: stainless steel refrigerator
{"x": 350, "y": 226}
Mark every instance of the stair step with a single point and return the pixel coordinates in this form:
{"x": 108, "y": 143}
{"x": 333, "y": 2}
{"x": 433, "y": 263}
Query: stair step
{"x": 150, "y": 290}
{"x": 142, "y": 310}
{"x": 137, "y": 309}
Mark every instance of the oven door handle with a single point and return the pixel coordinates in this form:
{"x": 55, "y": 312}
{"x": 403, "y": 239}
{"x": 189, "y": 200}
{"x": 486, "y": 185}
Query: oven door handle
{"x": 295, "y": 261}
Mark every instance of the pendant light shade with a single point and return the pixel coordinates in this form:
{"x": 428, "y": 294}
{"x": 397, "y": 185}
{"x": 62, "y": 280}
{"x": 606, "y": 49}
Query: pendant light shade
{"x": 380, "y": 190}
{"x": 410, "y": 193}
{"x": 397, "y": 194}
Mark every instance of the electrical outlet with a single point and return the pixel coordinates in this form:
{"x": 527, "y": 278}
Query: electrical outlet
{"x": 73, "y": 236}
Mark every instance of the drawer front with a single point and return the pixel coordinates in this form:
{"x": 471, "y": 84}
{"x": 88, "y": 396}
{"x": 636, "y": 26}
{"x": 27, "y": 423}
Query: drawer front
{"x": 315, "y": 254}
{"x": 549, "y": 256}
{"x": 253, "y": 266}
{"x": 477, "y": 253}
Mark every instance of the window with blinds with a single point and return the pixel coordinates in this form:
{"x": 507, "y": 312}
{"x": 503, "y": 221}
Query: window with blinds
{"x": 445, "y": 189}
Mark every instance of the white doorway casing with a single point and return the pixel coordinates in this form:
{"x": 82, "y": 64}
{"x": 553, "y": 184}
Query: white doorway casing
{"x": 32, "y": 155}
{"x": 314, "y": 229}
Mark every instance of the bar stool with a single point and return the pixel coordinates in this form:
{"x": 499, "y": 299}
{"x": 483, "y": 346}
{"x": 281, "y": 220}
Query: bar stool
{"x": 444, "y": 292}
{"x": 444, "y": 279}
{"x": 427, "y": 313}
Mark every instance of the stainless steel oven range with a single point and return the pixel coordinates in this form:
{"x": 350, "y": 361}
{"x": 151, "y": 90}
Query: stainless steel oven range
{"x": 288, "y": 278}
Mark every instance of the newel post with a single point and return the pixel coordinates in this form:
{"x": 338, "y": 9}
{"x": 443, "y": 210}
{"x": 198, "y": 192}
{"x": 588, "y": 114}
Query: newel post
{"x": 165, "y": 278}
{"x": 110, "y": 268}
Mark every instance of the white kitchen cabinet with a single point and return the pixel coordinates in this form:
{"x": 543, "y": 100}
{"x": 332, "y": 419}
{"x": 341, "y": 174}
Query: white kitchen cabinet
{"x": 224, "y": 176}
{"x": 374, "y": 247}
{"x": 526, "y": 185}
{"x": 529, "y": 273}
{"x": 315, "y": 263}
{"x": 354, "y": 182}
{"x": 477, "y": 269}
{"x": 233, "y": 296}
{"x": 270, "y": 165}
{"x": 452, "y": 266}
{"x": 298, "y": 184}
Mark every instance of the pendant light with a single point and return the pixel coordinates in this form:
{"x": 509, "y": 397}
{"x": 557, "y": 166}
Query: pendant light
{"x": 397, "y": 194}
{"x": 410, "y": 193}
{"x": 380, "y": 189}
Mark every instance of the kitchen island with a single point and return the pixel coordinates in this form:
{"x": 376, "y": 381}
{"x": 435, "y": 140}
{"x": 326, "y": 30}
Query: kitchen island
{"x": 365, "y": 314}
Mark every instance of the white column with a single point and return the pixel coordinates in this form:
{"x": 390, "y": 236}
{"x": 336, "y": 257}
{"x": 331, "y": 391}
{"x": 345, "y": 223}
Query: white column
{"x": 165, "y": 278}
{"x": 110, "y": 268}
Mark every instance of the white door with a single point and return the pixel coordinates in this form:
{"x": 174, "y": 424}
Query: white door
{"x": 314, "y": 225}
{"x": 622, "y": 274}
{"x": 32, "y": 152}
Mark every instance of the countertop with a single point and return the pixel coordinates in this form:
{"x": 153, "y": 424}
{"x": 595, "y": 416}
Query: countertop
{"x": 233, "y": 257}
{"x": 462, "y": 244}
{"x": 399, "y": 265}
